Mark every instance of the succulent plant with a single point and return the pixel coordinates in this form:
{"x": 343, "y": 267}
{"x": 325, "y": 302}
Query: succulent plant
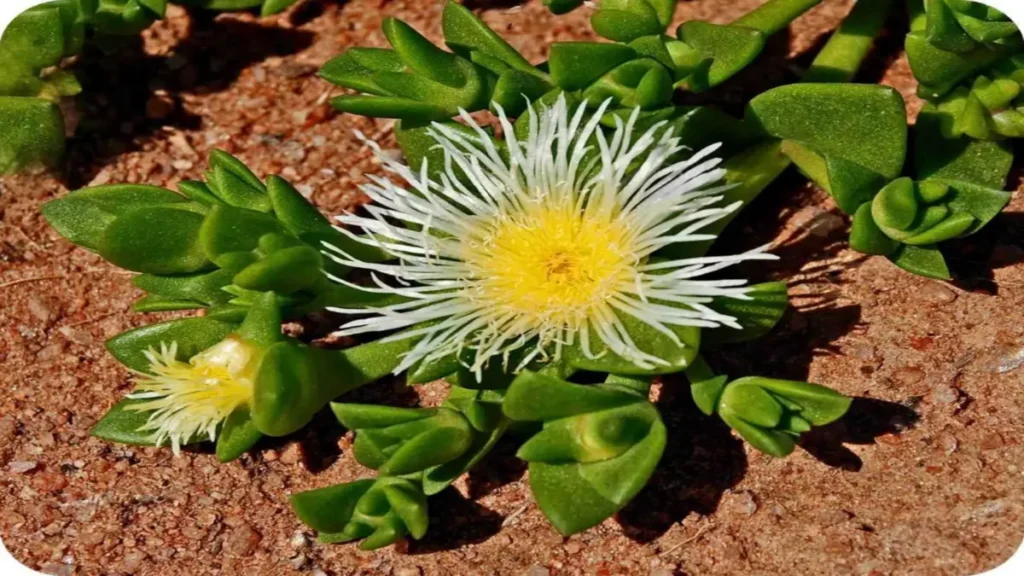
{"x": 562, "y": 244}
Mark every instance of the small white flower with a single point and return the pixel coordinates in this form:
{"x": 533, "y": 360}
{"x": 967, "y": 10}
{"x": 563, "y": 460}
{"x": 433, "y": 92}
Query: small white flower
{"x": 547, "y": 245}
{"x": 189, "y": 400}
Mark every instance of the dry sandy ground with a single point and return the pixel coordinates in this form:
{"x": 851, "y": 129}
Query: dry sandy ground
{"x": 923, "y": 477}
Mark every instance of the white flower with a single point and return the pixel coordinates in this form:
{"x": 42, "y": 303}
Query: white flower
{"x": 189, "y": 400}
{"x": 545, "y": 245}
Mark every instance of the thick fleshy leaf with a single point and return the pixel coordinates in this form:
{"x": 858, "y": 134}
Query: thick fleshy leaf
{"x": 162, "y": 304}
{"x": 562, "y": 6}
{"x": 155, "y": 240}
{"x": 863, "y": 124}
{"x": 405, "y": 440}
{"x": 603, "y": 359}
{"x": 31, "y": 133}
{"x": 576, "y": 496}
{"x": 329, "y": 509}
{"x": 771, "y": 442}
{"x": 122, "y": 425}
{"x": 922, "y": 260}
{"x": 237, "y": 435}
{"x": 538, "y": 397}
{"x": 939, "y": 71}
{"x": 381, "y": 511}
{"x": 774, "y": 15}
{"x": 842, "y": 55}
{"x": 285, "y": 271}
{"x": 271, "y": 7}
{"x": 295, "y": 381}
{"x": 193, "y": 335}
{"x": 575, "y": 65}
{"x": 82, "y": 216}
{"x": 227, "y": 229}
{"x": 440, "y": 477}
{"x": 866, "y": 237}
{"x": 204, "y": 287}
{"x": 293, "y": 210}
{"x": 757, "y": 316}
{"x": 465, "y": 33}
{"x": 729, "y": 49}
{"x": 35, "y": 37}
{"x": 818, "y": 405}
{"x": 943, "y": 157}
{"x": 627, "y": 20}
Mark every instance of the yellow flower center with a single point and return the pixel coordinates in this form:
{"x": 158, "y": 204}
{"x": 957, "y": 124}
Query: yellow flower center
{"x": 191, "y": 399}
{"x": 552, "y": 263}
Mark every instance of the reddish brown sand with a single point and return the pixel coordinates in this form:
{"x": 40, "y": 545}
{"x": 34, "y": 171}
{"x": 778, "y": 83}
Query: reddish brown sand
{"x": 923, "y": 477}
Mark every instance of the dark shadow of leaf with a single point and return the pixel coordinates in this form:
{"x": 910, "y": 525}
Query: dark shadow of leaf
{"x": 866, "y": 420}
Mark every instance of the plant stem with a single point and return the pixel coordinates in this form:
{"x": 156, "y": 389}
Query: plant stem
{"x": 839, "y": 60}
{"x": 774, "y": 15}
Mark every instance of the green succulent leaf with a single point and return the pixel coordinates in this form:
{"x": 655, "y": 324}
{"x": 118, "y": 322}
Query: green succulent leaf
{"x": 627, "y": 20}
{"x": 924, "y": 261}
{"x": 848, "y": 138}
{"x": 121, "y": 425}
{"x": 84, "y": 215}
{"x": 600, "y": 358}
{"x": 31, "y": 133}
{"x": 727, "y": 49}
{"x": 774, "y": 15}
{"x": 842, "y": 55}
{"x": 155, "y": 240}
{"x": 598, "y": 447}
{"x": 866, "y": 237}
{"x": 205, "y": 288}
{"x": 575, "y": 65}
{"x": 271, "y": 7}
{"x": 193, "y": 335}
{"x": 237, "y": 435}
{"x": 417, "y": 81}
{"x": 939, "y": 70}
{"x": 295, "y": 381}
{"x": 562, "y": 6}
{"x": 771, "y": 414}
{"x": 466, "y": 34}
{"x": 398, "y": 441}
{"x": 758, "y": 315}
{"x": 379, "y": 512}
{"x": 941, "y": 154}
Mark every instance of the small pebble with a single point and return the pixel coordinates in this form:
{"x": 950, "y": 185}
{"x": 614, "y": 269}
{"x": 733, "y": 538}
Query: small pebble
{"x": 243, "y": 540}
{"x": 22, "y": 466}
{"x": 41, "y": 310}
{"x": 945, "y": 394}
{"x": 908, "y": 375}
{"x": 409, "y": 571}
{"x": 573, "y": 547}
{"x": 536, "y": 570}
{"x": 936, "y": 293}
{"x": 948, "y": 443}
{"x": 292, "y": 454}
{"x": 133, "y": 559}
{"x": 299, "y": 562}
{"x": 299, "y": 540}
{"x": 182, "y": 165}
{"x": 986, "y": 510}
{"x": 1006, "y": 359}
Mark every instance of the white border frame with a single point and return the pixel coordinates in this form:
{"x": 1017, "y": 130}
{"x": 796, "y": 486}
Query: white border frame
{"x": 11, "y": 8}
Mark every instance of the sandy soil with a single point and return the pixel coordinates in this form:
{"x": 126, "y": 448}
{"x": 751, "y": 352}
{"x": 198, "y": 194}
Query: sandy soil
{"x": 922, "y": 477}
